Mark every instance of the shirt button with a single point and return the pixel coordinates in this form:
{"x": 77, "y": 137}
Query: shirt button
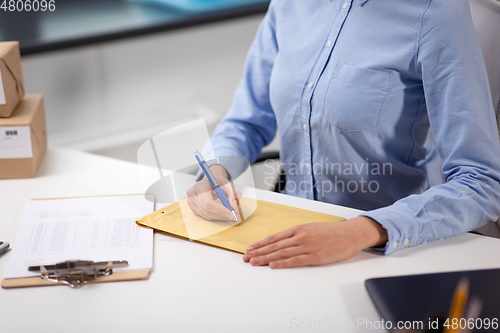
{"x": 329, "y": 43}
{"x": 345, "y": 5}
{"x": 310, "y": 85}
{"x": 304, "y": 127}
{"x": 406, "y": 241}
{"x": 308, "y": 166}
{"x": 395, "y": 245}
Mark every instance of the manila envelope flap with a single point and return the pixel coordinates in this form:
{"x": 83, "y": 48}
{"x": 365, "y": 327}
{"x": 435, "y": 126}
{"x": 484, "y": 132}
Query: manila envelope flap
{"x": 268, "y": 218}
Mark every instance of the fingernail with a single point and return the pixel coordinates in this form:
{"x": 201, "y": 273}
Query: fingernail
{"x": 250, "y": 248}
{"x": 255, "y": 261}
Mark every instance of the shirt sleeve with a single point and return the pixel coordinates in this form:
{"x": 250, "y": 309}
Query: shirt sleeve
{"x": 250, "y": 123}
{"x": 449, "y": 61}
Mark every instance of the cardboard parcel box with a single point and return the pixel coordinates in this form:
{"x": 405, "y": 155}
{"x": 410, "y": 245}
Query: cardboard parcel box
{"x": 11, "y": 78}
{"x": 23, "y": 139}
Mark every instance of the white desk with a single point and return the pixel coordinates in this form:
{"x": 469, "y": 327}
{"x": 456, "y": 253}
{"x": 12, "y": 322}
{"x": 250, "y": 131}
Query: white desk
{"x": 197, "y": 288}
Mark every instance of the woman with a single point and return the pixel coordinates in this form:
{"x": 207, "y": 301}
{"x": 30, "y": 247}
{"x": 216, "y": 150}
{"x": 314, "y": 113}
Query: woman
{"x": 355, "y": 88}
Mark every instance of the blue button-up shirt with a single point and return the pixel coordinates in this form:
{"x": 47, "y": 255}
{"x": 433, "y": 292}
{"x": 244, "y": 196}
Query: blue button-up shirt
{"x": 354, "y": 88}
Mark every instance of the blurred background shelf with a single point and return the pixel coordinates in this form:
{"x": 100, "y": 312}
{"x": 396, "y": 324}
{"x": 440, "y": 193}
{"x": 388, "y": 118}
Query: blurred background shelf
{"x": 115, "y": 73}
{"x": 78, "y": 23}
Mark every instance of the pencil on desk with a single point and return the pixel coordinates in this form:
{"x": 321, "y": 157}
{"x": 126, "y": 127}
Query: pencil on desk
{"x": 458, "y": 303}
{"x": 473, "y": 311}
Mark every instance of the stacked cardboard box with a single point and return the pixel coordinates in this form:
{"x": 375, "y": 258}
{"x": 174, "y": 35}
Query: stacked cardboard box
{"x": 23, "y": 138}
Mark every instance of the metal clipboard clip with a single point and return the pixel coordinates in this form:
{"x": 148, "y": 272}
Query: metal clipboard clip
{"x": 76, "y": 273}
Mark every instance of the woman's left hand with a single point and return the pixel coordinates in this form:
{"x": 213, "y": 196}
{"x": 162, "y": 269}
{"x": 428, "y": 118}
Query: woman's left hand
{"x": 316, "y": 243}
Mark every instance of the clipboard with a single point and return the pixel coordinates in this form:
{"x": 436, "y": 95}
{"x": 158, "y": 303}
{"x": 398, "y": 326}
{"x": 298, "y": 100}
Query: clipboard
{"x": 37, "y": 281}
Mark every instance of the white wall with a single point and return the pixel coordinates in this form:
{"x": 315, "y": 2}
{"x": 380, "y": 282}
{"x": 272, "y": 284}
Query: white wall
{"x": 91, "y": 89}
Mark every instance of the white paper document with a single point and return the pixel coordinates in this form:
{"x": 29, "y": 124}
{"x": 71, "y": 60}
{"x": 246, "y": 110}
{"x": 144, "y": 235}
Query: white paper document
{"x": 91, "y": 228}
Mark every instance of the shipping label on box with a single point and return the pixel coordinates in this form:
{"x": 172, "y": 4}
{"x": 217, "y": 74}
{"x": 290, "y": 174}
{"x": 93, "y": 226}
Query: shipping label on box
{"x": 15, "y": 142}
{"x": 23, "y": 139}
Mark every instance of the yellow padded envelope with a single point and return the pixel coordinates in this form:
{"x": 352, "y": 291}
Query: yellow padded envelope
{"x": 268, "y": 218}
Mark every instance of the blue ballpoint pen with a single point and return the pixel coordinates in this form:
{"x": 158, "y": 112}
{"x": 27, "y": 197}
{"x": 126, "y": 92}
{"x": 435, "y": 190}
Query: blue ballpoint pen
{"x": 215, "y": 185}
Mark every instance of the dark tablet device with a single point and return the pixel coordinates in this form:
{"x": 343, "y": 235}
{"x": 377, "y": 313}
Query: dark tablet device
{"x": 426, "y": 298}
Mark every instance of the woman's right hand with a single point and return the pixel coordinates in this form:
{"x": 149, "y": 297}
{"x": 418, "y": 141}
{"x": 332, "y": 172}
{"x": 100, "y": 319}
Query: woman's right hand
{"x": 204, "y": 202}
